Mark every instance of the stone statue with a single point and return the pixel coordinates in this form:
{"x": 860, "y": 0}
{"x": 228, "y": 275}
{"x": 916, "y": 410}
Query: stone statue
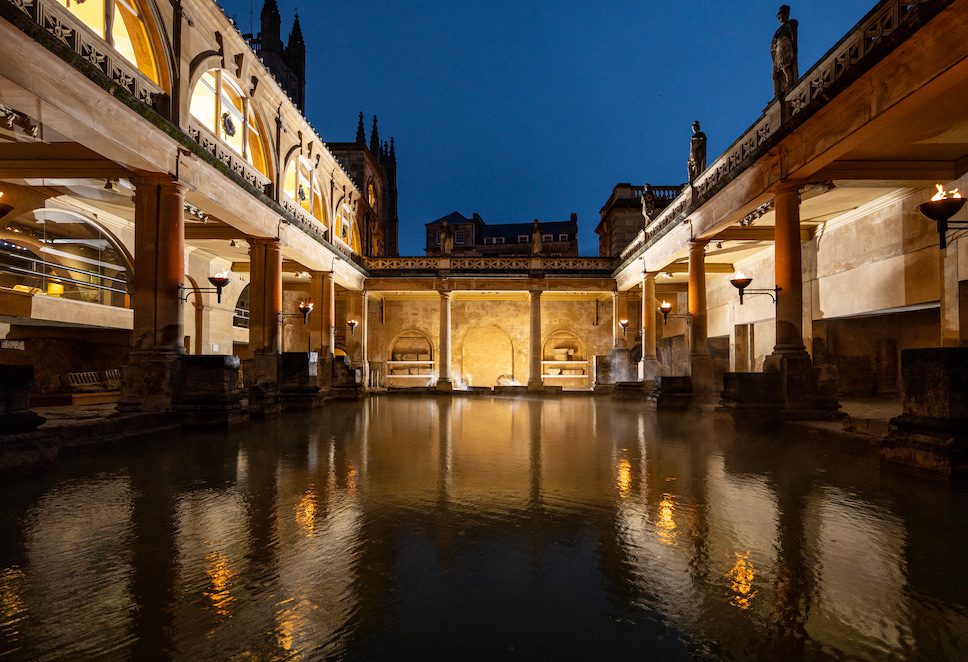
{"x": 535, "y": 238}
{"x": 446, "y": 239}
{"x": 697, "y": 152}
{"x": 648, "y": 202}
{"x": 784, "y": 51}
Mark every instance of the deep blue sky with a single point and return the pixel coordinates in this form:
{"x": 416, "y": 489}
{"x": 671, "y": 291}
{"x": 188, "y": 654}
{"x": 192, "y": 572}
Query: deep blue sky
{"x": 518, "y": 110}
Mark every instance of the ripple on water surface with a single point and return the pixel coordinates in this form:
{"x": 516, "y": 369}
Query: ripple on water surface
{"x": 401, "y": 526}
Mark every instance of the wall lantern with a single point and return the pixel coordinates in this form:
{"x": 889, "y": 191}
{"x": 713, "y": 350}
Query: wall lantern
{"x": 624, "y": 324}
{"x": 305, "y": 310}
{"x": 352, "y": 324}
{"x": 666, "y": 308}
{"x": 941, "y": 208}
{"x": 218, "y": 281}
{"x": 742, "y": 282}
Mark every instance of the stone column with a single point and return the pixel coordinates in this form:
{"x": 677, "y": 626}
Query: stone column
{"x": 265, "y": 306}
{"x": 328, "y": 314}
{"x": 266, "y": 295}
{"x": 650, "y": 359}
{"x": 157, "y": 339}
{"x": 317, "y": 328}
{"x": 444, "y": 382}
{"x": 789, "y": 272}
{"x": 701, "y": 367}
{"x": 697, "y": 299}
{"x": 535, "y": 355}
{"x": 364, "y": 336}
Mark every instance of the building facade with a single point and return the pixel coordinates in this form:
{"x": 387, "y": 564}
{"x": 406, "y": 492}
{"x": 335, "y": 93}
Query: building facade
{"x": 473, "y": 237}
{"x": 142, "y": 164}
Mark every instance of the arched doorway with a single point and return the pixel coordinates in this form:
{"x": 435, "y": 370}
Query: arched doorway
{"x": 487, "y": 354}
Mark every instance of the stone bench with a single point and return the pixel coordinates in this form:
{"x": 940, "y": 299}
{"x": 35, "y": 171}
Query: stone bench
{"x": 83, "y": 388}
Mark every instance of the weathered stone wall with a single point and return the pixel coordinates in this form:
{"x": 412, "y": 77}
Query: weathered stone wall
{"x": 490, "y": 336}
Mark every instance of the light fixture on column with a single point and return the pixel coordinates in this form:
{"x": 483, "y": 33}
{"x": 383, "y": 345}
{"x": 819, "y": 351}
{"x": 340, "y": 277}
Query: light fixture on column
{"x": 352, "y": 324}
{"x": 666, "y": 309}
{"x": 218, "y": 281}
{"x": 305, "y": 309}
{"x": 941, "y": 208}
{"x": 624, "y": 324}
{"x": 742, "y": 283}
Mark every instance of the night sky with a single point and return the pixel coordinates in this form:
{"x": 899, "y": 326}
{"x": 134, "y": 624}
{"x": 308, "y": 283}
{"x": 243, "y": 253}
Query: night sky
{"x": 536, "y": 109}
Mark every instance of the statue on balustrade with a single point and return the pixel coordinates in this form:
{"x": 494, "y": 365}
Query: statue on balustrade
{"x": 446, "y": 239}
{"x": 784, "y": 51}
{"x": 535, "y": 238}
{"x": 648, "y": 202}
{"x": 697, "y": 152}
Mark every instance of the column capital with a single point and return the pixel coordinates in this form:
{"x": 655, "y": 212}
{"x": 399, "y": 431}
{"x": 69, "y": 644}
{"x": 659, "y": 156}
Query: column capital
{"x": 787, "y": 186}
{"x": 163, "y": 181}
{"x": 446, "y": 294}
{"x": 266, "y": 241}
{"x": 535, "y": 294}
{"x": 698, "y": 245}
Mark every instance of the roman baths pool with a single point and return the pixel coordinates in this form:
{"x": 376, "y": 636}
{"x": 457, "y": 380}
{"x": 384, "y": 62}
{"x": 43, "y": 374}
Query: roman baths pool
{"x": 400, "y": 527}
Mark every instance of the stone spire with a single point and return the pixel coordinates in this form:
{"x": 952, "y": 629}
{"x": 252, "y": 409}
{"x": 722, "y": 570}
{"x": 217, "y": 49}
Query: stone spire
{"x": 360, "y": 131}
{"x": 271, "y": 21}
{"x": 375, "y": 138}
{"x": 393, "y": 151}
{"x": 297, "y": 44}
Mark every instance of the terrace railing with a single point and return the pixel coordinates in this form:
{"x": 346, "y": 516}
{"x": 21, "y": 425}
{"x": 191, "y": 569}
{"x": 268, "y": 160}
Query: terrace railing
{"x": 495, "y": 265}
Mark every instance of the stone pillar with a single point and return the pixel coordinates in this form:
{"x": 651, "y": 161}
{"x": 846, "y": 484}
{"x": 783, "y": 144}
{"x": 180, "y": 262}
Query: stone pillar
{"x": 158, "y": 334}
{"x": 364, "y": 332}
{"x": 317, "y": 328}
{"x": 328, "y": 316}
{"x": 265, "y": 306}
{"x": 444, "y": 382}
{"x": 535, "y": 355}
{"x": 650, "y": 359}
{"x": 697, "y": 299}
{"x": 789, "y": 272}
{"x": 701, "y": 367}
{"x": 266, "y": 295}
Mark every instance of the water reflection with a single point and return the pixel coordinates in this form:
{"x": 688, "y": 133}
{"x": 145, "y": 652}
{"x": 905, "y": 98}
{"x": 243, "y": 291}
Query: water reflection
{"x": 506, "y": 527}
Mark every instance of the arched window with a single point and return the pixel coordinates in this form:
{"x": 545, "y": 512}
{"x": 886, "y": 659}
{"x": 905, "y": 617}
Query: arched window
{"x": 121, "y": 24}
{"x": 344, "y": 227}
{"x": 302, "y": 186}
{"x": 219, "y": 104}
{"x": 61, "y": 253}
{"x": 371, "y": 195}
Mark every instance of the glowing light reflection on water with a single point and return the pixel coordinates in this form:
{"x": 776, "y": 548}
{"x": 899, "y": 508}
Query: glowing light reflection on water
{"x": 483, "y": 527}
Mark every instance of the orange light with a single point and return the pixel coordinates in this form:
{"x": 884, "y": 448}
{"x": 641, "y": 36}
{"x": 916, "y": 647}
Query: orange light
{"x": 945, "y": 195}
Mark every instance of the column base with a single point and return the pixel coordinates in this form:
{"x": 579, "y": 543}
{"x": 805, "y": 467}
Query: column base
{"x": 931, "y": 436}
{"x": 670, "y": 393}
{"x": 704, "y": 387}
{"x": 299, "y": 380}
{"x": 809, "y": 392}
{"x": 148, "y": 381}
{"x": 207, "y": 393}
{"x": 261, "y": 378}
{"x": 446, "y": 385}
{"x": 535, "y": 385}
{"x": 15, "y": 414}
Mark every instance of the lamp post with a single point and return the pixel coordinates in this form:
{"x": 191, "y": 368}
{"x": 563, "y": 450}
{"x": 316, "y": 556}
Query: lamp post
{"x": 941, "y": 208}
{"x": 352, "y": 324}
{"x": 624, "y": 324}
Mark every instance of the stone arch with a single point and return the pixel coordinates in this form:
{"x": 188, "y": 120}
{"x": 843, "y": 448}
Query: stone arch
{"x": 487, "y": 353}
{"x": 220, "y": 103}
